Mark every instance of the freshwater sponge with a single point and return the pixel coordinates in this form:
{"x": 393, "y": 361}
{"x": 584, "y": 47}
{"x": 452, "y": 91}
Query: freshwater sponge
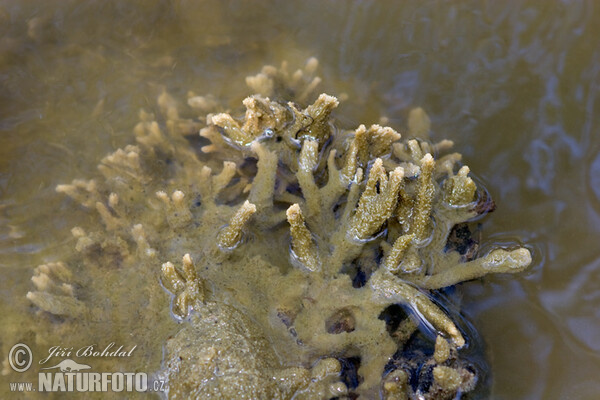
{"x": 309, "y": 233}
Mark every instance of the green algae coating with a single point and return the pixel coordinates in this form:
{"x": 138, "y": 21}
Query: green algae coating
{"x": 278, "y": 178}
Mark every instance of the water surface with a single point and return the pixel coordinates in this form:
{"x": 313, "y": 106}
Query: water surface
{"x": 513, "y": 84}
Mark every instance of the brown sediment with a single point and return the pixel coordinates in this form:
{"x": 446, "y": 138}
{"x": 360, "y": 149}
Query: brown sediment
{"x": 279, "y": 318}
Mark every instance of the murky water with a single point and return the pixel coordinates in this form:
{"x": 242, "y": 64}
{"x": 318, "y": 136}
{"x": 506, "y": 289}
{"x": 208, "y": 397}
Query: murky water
{"x": 514, "y": 84}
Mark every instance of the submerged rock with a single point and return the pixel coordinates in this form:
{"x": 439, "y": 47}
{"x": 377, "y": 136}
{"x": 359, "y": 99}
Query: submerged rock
{"x": 220, "y": 353}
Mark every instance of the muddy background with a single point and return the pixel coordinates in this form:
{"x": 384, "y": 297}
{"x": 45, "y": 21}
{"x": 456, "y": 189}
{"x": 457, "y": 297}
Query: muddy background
{"x": 513, "y": 84}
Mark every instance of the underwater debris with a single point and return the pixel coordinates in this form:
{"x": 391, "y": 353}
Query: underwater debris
{"x": 273, "y": 303}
